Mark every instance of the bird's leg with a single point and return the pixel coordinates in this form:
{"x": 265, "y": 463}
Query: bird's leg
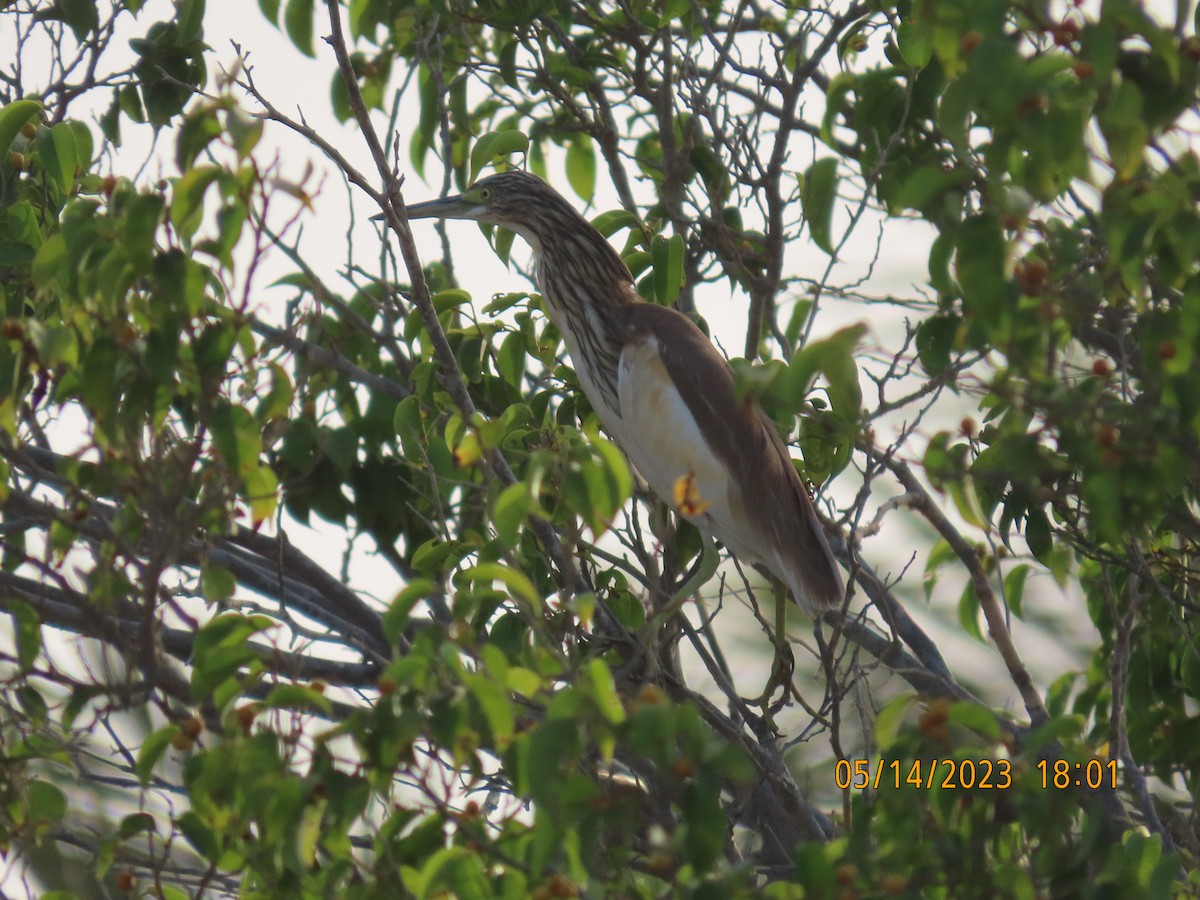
{"x": 785, "y": 663}
{"x": 702, "y": 570}
{"x": 698, "y": 576}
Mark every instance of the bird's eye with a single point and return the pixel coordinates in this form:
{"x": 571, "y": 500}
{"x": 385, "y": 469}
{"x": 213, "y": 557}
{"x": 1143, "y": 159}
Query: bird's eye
{"x": 485, "y": 194}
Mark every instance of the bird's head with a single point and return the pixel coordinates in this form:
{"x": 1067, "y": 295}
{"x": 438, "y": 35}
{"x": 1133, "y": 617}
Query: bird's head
{"x": 515, "y": 200}
{"x": 561, "y": 238}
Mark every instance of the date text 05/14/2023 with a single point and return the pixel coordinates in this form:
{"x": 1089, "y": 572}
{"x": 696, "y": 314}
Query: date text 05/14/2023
{"x": 969, "y": 774}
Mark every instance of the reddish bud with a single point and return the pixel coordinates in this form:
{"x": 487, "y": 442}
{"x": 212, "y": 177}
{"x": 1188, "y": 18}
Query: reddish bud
{"x": 650, "y": 695}
{"x": 969, "y": 42}
{"x": 1101, "y": 368}
{"x": 847, "y": 874}
{"x": 1032, "y": 103}
{"x": 1031, "y": 275}
{"x": 561, "y": 886}
{"x": 660, "y": 862}
{"x": 683, "y": 768}
{"x": 933, "y": 721}
{"x": 1065, "y": 34}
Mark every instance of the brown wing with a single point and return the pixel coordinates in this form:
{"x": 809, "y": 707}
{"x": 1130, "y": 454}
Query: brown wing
{"x": 771, "y": 519}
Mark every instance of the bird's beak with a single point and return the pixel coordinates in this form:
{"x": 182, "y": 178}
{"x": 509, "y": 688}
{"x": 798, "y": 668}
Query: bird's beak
{"x": 455, "y": 207}
{"x": 445, "y": 208}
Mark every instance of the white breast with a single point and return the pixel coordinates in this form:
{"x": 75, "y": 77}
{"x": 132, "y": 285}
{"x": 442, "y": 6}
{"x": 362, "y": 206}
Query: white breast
{"x": 662, "y": 437}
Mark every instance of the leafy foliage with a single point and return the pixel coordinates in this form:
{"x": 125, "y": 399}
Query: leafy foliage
{"x": 537, "y": 696}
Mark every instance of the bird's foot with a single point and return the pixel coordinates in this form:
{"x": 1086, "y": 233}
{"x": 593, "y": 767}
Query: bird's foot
{"x": 701, "y": 572}
{"x": 782, "y": 669}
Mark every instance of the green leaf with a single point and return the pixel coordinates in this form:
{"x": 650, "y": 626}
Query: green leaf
{"x": 298, "y": 22}
{"x": 81, "y": 15}
{"x": 137, "y": 823}
{"x": 510, "y": 359}
{"x": 395, "y": 619}
{"x": 502, "y": 243}
{"x": 915, "y": 45}
{"x": 298, "y": 697}
{"x": 966, "y": 501}
{"x": 59, "y": 155}
{"x": 968, "y": 613}
{"x": 151, "y": 751}
{"x": 980, "y": 264}
{"x": 620, "y": 477}
{"x": 923, "y": 189}
{"x": 834, "y": 357}
{"x": 199, "y": 835}
{"x": 33, "y": 704}
{"x": 935, "y": 340}
{"x": 497, "y": 708}
{"x": 609, "y": 223}
{"x": 667, "y": 256}
{"x": 1123, "y": 125}
{"x": 431, "y": 556}
{"x": 521, "y": 680}
{"x": 220, "y": 650}
{"x": 49, "y": 261}
{"x": 454, "y": 872}
{"x": 244, "y": 129}
{"x": 976, "y": 718}
{"x": 262, "y": 492}
{"x": 518, "y": 583}
{"x": 143, "y": 212}
{"x": 628, "y": 610}
{"x": 581, "y": 167}
{"x": 889, "y": 719}
{"x": 13, "y": 118}
{"x": 47, "y": 802}
{"x": 84, "y": 144}
{"x": 216, "y": 582}
{"x": 514, "y": 504}
{"x": 839, "y": 89}
{"x": 55, "y": 344}
{"x": 279, "y": 398}
{"x": 819, "y": 196}
{"x": 604, "y": 692}
{"x": 27, "y": 631}
{"x": 494, "y": 147}
{"x": 955, "y": 108}
{"x": 199, "y": 129}
{"x": 1014, "y": 588}
{"x": 1038, "y": 534}
{"x": 187, "y": 200}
